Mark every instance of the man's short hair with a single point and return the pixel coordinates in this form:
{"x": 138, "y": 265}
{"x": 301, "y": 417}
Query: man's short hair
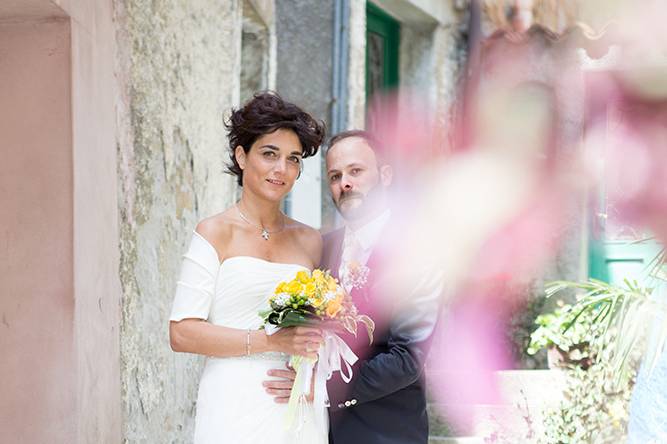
{"x": 367, "y": 136}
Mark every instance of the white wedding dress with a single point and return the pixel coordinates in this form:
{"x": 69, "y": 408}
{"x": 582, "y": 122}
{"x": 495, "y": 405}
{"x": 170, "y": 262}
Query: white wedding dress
{"x": 232, "y": 405}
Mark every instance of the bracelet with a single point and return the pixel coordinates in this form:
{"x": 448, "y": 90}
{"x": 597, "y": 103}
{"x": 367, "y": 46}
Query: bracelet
{"x": 247, "y": 343}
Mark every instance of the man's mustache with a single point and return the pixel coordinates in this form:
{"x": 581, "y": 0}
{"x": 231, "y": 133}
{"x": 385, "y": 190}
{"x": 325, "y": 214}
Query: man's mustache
{"x": 349, "y": 195}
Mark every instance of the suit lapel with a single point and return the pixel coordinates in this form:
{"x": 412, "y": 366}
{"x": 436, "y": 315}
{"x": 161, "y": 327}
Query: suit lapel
{"x": 334, "y": 251}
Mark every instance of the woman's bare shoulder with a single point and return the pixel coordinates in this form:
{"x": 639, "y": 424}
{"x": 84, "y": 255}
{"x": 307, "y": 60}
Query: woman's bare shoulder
{"x": 217, "y": 230}
{"x": 309, "y": 238}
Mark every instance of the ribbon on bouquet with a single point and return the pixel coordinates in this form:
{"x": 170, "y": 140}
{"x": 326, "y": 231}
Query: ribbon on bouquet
{"x": 334, "y": 355}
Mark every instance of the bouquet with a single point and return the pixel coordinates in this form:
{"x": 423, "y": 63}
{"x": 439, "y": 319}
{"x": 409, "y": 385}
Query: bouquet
{"x": 315, "y": 299}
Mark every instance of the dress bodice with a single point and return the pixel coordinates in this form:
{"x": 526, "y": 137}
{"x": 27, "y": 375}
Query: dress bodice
{"x": 243, "y": 287}
{"x": 231, "y": 293}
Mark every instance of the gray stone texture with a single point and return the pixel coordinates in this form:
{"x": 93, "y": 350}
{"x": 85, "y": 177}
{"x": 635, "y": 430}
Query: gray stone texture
{"x": 304, "y": 31}
{"x": 305, "y": 46}
{"x": 179, "y": 69}
{"x": 431, "y": 60}
{"x": 254, "y": 53}
{"x": 356, "y": 81}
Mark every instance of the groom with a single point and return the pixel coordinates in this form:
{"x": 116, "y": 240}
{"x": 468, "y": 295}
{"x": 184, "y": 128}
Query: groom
{"x": 384, "y": 403}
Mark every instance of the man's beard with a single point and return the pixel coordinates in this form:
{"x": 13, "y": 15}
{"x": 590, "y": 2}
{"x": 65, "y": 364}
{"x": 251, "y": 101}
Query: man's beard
{"x": 367, "y": 202}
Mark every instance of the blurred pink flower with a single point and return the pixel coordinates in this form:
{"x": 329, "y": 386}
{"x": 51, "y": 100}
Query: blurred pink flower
{"x": 473, "y": 348}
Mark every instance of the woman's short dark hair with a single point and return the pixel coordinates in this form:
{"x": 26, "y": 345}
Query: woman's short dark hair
{"x": 265, "y": 113}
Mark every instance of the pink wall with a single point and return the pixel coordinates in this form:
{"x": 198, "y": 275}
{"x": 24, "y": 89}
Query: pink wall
{"x": 96, "y": 223}
{"x": 36, "y": 238}
{"x": 59, "y": 288}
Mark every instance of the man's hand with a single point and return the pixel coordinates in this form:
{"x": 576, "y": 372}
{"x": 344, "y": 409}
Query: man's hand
{"x": 280, "y": 389}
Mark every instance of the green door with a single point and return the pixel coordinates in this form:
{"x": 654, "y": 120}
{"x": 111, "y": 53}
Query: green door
{"x": 616, "y": 250}
{"x": 382, "y": 43}
{"x": 615, "y": 260}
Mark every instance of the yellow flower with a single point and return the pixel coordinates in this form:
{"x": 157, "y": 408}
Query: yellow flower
{"x": 320, "y": 281}
{"x": 333, "y": 307}
{"x": 318, "y": 274}
{"x": 281, "y": 288}
{"x": 310, "y": 289}
{"x": 294, "y": 287}
{"x": 331, "y": 284}
{"x": 302, "y": 277}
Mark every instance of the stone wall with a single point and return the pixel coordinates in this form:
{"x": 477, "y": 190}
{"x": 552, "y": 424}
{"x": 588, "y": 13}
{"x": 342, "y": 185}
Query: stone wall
{"x": 257, "y": 48}
{"x": 431, "y": 60}
{"x": 179, "y": 69}
{"x": 304, "y": 76}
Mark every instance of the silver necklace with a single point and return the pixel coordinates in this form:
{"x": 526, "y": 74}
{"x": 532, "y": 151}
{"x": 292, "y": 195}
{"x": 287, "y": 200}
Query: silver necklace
{"x": 265, "y": 233}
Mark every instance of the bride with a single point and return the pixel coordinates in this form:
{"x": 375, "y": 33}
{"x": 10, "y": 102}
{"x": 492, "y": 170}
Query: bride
{"x": 234, "y": 262}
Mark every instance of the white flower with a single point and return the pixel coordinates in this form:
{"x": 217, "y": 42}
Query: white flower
{"x": 355, "y": 275}
{"x": 281, "y": 299}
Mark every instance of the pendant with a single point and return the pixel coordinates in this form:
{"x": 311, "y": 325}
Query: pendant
{"x": 265, "y": 234}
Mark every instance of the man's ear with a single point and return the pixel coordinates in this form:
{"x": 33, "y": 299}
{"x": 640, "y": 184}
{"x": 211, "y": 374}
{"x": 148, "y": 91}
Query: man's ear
{"x": 239, "y": 155}
{"x": 386, "y": 175}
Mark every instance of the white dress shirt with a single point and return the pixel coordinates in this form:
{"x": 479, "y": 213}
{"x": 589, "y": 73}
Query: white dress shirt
{"x": 358, "y": 244}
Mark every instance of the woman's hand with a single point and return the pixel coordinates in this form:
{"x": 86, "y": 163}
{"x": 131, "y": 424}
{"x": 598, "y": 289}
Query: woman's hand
{"x": 302, "y": 341}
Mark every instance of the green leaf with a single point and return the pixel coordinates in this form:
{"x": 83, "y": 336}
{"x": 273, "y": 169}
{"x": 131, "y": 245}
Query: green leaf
{"x": 294, "y": 318}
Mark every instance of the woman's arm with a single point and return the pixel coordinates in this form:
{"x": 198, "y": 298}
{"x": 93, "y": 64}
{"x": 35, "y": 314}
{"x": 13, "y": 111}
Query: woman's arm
{"x": 201, "y": 337}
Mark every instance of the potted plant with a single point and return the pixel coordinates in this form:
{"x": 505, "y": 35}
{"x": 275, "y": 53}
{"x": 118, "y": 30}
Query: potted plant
{"x": 595, "y": 405}
{"x": 567, "y": 342}
{"x": 622, "y": 314}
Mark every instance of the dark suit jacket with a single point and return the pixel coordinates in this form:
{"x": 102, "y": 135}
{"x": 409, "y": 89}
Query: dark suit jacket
{"x": 385, "y": 401}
